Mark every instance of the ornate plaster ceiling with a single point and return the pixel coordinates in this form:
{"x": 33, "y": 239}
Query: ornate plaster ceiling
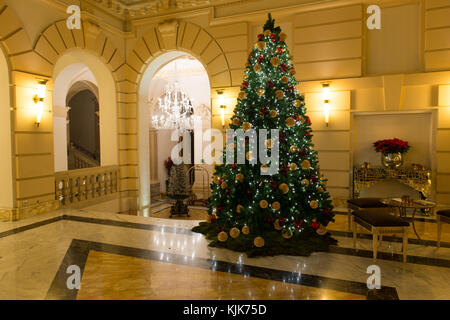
{"x": 133, "y": 9}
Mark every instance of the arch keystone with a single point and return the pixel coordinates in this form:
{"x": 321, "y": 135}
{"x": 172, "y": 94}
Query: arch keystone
{"x": 168, "y": 32}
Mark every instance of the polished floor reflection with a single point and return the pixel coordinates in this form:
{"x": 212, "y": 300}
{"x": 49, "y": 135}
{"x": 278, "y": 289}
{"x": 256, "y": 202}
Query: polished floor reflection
{"x": 117, "y": 277}
{"x": 133, "y": 257}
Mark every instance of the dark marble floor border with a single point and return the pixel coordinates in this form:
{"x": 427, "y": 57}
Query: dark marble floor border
{"x": 31, "y": 226}
{"x": 421, "y": 242}
{"x": 334, "y": 249}
{"x": 419, "y": 219}
{"x": 78, "y": 252}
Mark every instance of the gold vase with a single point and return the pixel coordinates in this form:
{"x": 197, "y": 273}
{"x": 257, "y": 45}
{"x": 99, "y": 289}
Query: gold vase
{"x": 392, "y": 160}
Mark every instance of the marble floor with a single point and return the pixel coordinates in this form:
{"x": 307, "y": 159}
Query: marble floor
{"x": 134, "y": 257}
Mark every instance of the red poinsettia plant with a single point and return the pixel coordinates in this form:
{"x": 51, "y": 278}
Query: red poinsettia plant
{"x": 391, "y": 146}
{"x": 168, "y": 164}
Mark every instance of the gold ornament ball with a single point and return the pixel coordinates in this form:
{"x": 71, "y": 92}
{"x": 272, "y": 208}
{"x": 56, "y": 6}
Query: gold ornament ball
{"x": 314, "y": 204}
{"x": 273, "y": 113}
{"x": 236, "y": 121}
{"x": 293, "y": 166}
{"x": 279, "y": 94}
{"x": 321, "y": 231}
{"x": 283, "y": 36}
{"x": 263, "y": 204}
{"x": 245, "y": 230}
{"x": 242, "y": 95}
{"x": 215, "y": 179}
{"x": 267, "y": 33}
{"x": 292, "y": 71}
{"x": 240, "y": 177}
{"x": 261, "y": 45}
{"x": 287, "y": 234}
{"x": 276, "y": 205}
{"x": 305, "y": 182}
{"x": 258, "y": 242}
{"x": 260, "y": 92}
{"x": 284, "y": 188}
{"x": 234, "y": 233}
{"x": 276, "y": 225}
{"x": 249, "y": 156}
{"x": 293, "y": 149}
{"x": 264, "y": 168}
{"x": 284, "y": 79}
{"x": 239, "y": 208}
{"x": 231, "y": 146}
{"x": 269, "y": 143}
{"x": 275, "y": 61}
{"x": 222, "y": 237}
{"x": 306, "y": 164}
{"x": 224, "y": 185}
{"x": 290, "y": 122}
{"x": 246, "y": 126}
{"x": 257, "y": 68}
{"x": 297, "y": 103}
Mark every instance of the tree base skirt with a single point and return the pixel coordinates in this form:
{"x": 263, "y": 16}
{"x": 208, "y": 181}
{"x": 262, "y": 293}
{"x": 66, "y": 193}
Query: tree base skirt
{"x": 303, "y": 244}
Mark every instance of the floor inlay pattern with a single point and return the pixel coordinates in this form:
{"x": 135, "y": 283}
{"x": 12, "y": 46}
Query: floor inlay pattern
{"x": 111, "y": 272}
{"x": 35, "y": 254}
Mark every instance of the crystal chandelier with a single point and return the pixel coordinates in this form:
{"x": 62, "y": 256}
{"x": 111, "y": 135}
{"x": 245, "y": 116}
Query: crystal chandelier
{"x": 177, "y": 110}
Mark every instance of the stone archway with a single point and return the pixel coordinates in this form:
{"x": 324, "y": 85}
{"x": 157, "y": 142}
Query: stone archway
{"x": 161, "y": 44}
{"x": 35, "y": 185}
{"x": 6, "y": 143}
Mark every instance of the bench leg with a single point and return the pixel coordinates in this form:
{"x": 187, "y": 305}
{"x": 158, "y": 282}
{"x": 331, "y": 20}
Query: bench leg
{"x": 355, "y": 234}
{"x": 405, "y": 244}
{"x": 349, "y": 217}
{"x": 375, "y": 243}
{"x": 439, "y": 230}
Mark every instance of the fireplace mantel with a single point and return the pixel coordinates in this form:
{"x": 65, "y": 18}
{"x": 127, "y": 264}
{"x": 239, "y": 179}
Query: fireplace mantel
{"x": 419, "y": 180}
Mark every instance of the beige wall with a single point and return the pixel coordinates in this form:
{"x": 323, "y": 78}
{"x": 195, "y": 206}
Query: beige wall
{"x": 6, "y": 158}
{"x": 329, "y": 41}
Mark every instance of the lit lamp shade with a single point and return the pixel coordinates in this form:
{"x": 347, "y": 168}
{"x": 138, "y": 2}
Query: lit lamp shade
{"x": 41, "y": 90}
{"x": 326, "y": 101}
{"x": 222, "y": 106}
{"x": 39, "y": 98}
{"x": 39, "y": 112}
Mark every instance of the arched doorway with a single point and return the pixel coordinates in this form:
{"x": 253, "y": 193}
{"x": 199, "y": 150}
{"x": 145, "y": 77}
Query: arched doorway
{"x": 83, "y": 126}
{"x": 79, "y": 75}
{"x": 6, "y": 156}
{"x": 156, "y": 144}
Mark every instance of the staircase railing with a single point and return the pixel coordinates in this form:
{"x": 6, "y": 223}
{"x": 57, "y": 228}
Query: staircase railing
{"x": 79, "y": 158}
{"x": 80, "y": 187}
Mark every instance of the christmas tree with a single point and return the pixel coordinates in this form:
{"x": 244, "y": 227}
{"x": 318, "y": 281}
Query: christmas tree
{"x": 291, "y": 208}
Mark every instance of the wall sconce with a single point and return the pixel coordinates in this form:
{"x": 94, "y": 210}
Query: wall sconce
{"x": 222, "y": 106}
{"x": 39, "y": 98}
{"x": 326, "y": 101}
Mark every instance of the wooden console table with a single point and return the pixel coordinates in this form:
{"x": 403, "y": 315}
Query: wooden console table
{"x": 419, "y": 180}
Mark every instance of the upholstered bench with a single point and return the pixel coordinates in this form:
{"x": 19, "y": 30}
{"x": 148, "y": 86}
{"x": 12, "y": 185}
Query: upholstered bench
{"x": 380, "y": 222}
{"x": 441, "y": 216}
{"x": 362, "y": 203}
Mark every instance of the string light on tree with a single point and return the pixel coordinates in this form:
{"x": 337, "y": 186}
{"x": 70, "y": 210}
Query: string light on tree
{"x": 293, "y": 201}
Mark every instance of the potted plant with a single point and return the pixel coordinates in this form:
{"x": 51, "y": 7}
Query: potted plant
{"x": 392, "y": 151}
{"x": 168, "y": 164}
